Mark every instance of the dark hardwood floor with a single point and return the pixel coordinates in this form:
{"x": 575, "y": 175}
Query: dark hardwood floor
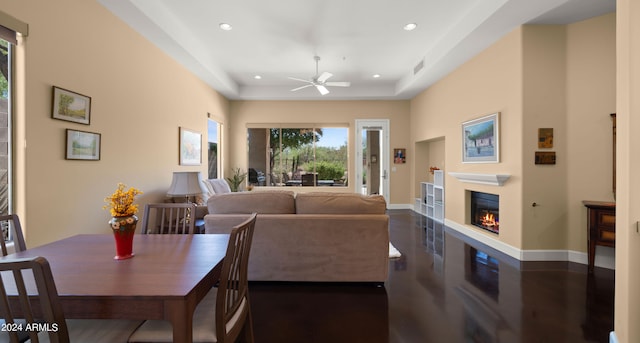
{"x": 444, "y": 288}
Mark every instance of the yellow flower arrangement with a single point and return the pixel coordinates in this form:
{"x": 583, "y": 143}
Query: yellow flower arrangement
{"x": 120, "y": 203}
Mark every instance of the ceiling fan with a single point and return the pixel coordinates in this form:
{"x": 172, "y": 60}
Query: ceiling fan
{"x": 320, "y": 81}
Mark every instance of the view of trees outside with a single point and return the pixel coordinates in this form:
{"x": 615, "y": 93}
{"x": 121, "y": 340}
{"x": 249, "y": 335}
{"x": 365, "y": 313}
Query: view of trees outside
{"x": 294, "y": 152}
{"x": 4, "y": 68}
{"x": 4, "y": 126}
{"x": 4, "y": 132}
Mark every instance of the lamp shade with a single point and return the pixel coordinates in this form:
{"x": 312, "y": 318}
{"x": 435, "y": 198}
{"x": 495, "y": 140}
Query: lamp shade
{"x": 185, "y": 184}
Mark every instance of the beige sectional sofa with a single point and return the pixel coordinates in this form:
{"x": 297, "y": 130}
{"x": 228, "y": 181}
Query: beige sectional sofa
{"x": 317, "y": 237}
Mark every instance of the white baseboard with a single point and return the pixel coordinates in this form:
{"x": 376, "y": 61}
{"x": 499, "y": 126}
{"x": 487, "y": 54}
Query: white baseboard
{"x": 400, "y": 207}
{"x": 605, "y": 258}
{"x": 547, "y": 255}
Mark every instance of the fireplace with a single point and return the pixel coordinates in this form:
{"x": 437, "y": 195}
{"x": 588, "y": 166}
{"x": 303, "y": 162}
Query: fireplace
{"x": 485, "y": 211}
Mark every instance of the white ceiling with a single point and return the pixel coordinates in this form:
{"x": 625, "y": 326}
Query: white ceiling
{"x": 355, "y": 39}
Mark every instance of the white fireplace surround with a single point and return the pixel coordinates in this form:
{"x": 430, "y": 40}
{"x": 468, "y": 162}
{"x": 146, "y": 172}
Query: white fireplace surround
{"x": 485, "y": 179}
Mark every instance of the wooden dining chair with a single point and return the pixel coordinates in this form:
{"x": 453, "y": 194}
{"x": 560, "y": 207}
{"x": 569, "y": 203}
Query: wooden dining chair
{"x": 11, "y": 230}
{"x": 37, "y": 315}
{"x": 224, "y": 315}
{"x": 169, "y": 218}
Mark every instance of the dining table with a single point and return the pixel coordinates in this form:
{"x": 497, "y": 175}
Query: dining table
{"x": 165, "y": 279}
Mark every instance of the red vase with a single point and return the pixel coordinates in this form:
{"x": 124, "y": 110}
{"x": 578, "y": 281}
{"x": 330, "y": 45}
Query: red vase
{"x": 124, "y": 229}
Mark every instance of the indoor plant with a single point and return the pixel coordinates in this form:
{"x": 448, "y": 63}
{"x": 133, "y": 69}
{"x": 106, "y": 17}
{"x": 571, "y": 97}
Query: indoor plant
{"x": 236, "y": 180}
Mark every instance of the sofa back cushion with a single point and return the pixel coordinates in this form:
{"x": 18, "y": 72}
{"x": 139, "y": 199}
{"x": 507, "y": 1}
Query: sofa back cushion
{"x": 339, "y": 203}
{"x": 261, "y": 202}
{"x": 216, "y": 186}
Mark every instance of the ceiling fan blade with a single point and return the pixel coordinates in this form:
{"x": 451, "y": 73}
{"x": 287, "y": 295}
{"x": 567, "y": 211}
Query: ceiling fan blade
{"x": 299, "y": 88}
{"x": 322, "y": 89}
{"x": 297, "y": 79}
{"x": 338, "y": 84}
{"x": 324, "y": 76}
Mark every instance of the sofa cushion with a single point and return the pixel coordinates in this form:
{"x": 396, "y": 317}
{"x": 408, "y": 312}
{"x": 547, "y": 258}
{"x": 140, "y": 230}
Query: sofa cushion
{"x": 208, "y": 188}
{"x": 262, "y": 202}
{"x": 339, "y": 203}
{"x": 211, "y": 187}
{"x": 216, "y": 186}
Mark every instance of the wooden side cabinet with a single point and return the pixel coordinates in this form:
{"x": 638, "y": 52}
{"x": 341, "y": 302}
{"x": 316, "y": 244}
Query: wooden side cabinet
{"x": 601, "y": 223}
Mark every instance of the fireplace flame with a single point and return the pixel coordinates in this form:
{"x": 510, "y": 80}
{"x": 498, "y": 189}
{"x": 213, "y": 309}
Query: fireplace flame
{"x": 489, "y": 220}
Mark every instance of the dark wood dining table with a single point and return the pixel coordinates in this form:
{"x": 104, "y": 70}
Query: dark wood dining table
{"x": 166, "y": 279}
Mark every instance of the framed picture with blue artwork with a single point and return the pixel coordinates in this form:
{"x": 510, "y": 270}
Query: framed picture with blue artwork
{"x": 481, "y": 140}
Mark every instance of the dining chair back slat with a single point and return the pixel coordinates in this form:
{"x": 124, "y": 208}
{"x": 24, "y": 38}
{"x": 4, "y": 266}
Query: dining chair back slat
{"x": 232, "y": 302}
{"x": 11, "y": 231}
{"x": 25, "y": 313}
{"x": 223, "y": 315}
{"x": 169, "y": 218}
{"x": 31, "y": 310}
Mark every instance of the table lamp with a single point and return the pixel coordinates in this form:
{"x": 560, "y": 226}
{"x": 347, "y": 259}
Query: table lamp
{"x": 185, "y": 184}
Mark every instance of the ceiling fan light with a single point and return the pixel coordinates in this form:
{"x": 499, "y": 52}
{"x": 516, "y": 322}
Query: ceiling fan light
{"x": 410, "y": 27}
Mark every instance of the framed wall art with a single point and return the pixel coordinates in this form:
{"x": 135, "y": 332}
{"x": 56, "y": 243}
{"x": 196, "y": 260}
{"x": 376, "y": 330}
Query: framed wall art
{"x": 481, "y": 140}
{"x": 545, "y": 138}
{"x": 82, "y": 145}
{"x": 399, "y": 156}
{"x": 190, "y": 147}
{"x": 71, "y": 106}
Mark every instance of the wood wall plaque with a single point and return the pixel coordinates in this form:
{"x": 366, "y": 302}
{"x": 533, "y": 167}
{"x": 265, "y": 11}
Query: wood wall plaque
{"x": 545, "y": 157}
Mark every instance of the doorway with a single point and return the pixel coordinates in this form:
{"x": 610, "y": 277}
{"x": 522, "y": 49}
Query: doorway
{"x": 372, "y": 157}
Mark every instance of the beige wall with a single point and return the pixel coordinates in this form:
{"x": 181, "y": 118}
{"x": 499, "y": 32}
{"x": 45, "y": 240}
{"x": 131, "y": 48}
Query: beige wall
{"x": 559, "y": 77}
{"x": 569, "y": 85}
{"x": 488, "y": 83}
{"x": 591, "y": 98}
{"x": 140, "y": 97}
{"x": 327, "y": 112}
{"x": 544, "y": 226}
{"x": 627, "y": 303}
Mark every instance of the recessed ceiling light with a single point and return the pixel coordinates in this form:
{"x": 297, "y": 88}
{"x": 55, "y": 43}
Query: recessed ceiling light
{"x": 257, "y": 77}
{"x": 410, "y": 27}
{"x": 376, "y": 76}
{"x": 225, "y": 26}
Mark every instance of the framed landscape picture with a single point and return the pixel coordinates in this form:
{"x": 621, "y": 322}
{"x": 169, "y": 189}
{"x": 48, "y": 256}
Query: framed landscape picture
{"x": 82, "y": 145}
{"x": 481, "y": 140}
{"x": 190, "y": 147}
{"x": 71, "y": 106}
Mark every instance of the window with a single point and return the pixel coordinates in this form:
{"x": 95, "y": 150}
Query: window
{"x": 298, "y": 156}
{"x": 213, "y": 144}
{"x": 5, "y": 131}
{"x": 11, "y": 32}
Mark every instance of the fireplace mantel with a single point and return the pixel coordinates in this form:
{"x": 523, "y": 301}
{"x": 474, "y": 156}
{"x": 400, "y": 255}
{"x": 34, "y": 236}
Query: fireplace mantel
{"x": 485, "y": 179}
